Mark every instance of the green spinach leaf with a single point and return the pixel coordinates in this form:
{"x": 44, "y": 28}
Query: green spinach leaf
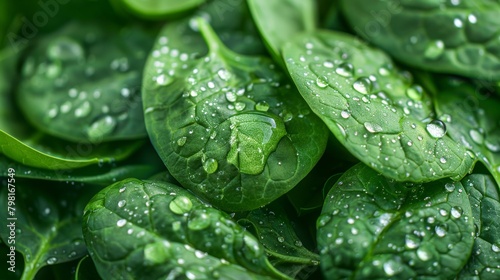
{"x": 373, "y": 108}
{"x": 82, "y": 83}
{"x": 295, "y": 16}
{"x": 128, "y": 235}
{"x": 472, "y": 119}
{"x": 277, "y": 233}
{"x": 374, "y": 227}
{"x": 485, "y": 201}
{"x": 456, "y": 37}
{"x": 157, "y": 9}
{"x": 228, "y": 127}
{"x": 44, "y": 223}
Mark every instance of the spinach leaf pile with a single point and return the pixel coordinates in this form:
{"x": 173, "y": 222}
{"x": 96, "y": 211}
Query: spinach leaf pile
{"x": 250, "y": 139}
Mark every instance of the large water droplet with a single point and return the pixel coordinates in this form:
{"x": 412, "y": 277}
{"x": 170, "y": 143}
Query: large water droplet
{"x": 363, "y": 85}
{"x": 373, "y": 127}
{"x": 392, "y": 267}
{"x": 102, "y": 127}
{"x": 122, "y": 203}
{"x": 65, "y": 49}
{"x": 476, "y": 136}
{"x": 423, "y": 254}
{"x": 262, "y": 106}
{"x": 441, "y": 230}
{"x": 495, "y": 248}
{"x": 412, "y": 241}
{"x": 121, "y": 222}
{"x": 322, "y": 82}
{"x": 180, "y": 205}
{"x": 456, "y": 212}
{"x": 210, "y": 165}
{"x": 224, "y": 74}
{"x": 53, "y": 111}
{"x": 181, "y": 141}
{"x": 239, "y": 106}
{"x": 345, "y": 69}
{"x": 83, "y": 110}
{"x": 199, "y": 220}
{"x": 434, "y": 50}
{"x": 436, "y": 129}
{"x": 415, "y": 92}
{"x": 51, "y": 260}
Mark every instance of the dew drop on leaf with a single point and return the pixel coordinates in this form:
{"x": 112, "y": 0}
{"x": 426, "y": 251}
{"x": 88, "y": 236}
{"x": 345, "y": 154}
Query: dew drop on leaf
{"x": 198, "y": 220}
{"x": 180, "y": 205}
{"x": 363, "y": 85}
{"x": 442, "y": 160}
{"x": 412, "y": 241}
{"x": 224, "y": 74}
{"x": 441, "y": 230}
{"x": 423, "y": 254}
{"x": 391, "y": 267}
{"x": 415, "y": 92}
{"x": 262, "y": 106}
{"x": 456, "y": 212}
{"x": 436, "y": 128}
{"x": 495, "y": 248}
{"x": 322, "y": 82}
{"x": 449, "y": 187}
{"x": 122, "y": 203}
{"x": 83, "y": 110}
{"x": 434, "y": 50}
{"x": 373, "y": 127}
{"x": 51, "y": 260}
{"x": 65, "y": 49}
{"x": 476, "y": 136}
{"x": 345, "y": 69}
{"x": 121, "y": 222}
{"x": 345, "y": 114}
{"x": 102, "y": 127}
{"x": 239, "y": 106}
{"x": 181, "y": 141}
{"x": 53, "y": 111}
{"x": 210, "y": 165}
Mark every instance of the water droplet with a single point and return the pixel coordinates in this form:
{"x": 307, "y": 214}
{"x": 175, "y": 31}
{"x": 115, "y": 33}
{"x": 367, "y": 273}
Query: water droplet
{"x": 224, "y": 74}
{"x": 53, "y": 111}
{"x": 392, "y": 267}
{"x": 472, "y": 18}
{"x": 441, "y": 230}
{"x": 456, "y": 212}
{"x": 125, "y": 92}
{"x": 198, "y": 220}
{"x": 322, "y": 82}
{"x": 495, "y": 248}
{"x": 383, "y": 71}
{"x": 181, "y": 141}
{"x": 415, "y": 92}
{"x": 345, "y": 69}
{"x": 121, "y": 222}
{"x": 102, "y": 127}
{"x": 363, "y": 85}
{"x": 121, "y": 203}
{"x": 476, "y": 136}
{"x": 372, "y": 127}
{"x": 65, "y": 49}
{"x": 281, "y": 239}
{"x": 493, "y": 147}
{"x": 83, "y": 110}
{"x": 210, "y": 165}
{"x": 436, "y": 128}
{"x": 298, "y": 243}
{"x": 163, "y": 80}
{"x": 239, "y": 106}
{"x": 449, "y": 187}
{"x": 262, "y": 106}
{"x": 231, "y": 96}
{"x": 328, "y": 64}
{"x": 51, "y": 260}
{"x": 323, "y": 220}
{"x": 345, "y": 114}
{"x": 423, "y": 254}
{"x": 66, "y": 106}
{"x": 180, "y": 205}
{"x": 412, "y": 241}
{"x": 442, "y": 160}
{"x": 434, "y": 50}
{"x": 458, "y": 23}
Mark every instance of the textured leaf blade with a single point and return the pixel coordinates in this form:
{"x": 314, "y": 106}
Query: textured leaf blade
{"x": 82, "y": 83}
{"x": 48, "y": 225}
{"x": 472, "y": 119}
{"x": 466, "y": 42}
{"x": 484, "y": 196}
{"x": 173, "y": 234}
{"x": 373, "y": 108}
{"x": 374, "y": 227}
{"x": 228, "y": 127}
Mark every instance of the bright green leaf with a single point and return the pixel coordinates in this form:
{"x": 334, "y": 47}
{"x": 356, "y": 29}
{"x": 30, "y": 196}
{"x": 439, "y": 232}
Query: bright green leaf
{"x": 373, "y": 108}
